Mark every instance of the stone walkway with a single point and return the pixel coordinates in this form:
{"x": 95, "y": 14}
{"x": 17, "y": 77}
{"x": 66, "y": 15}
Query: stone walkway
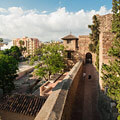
{"x": 85, "y": 107}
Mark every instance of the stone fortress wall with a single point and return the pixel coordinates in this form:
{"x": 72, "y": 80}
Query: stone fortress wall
{"x": 83, "y": 43}
{"x": 105, "y": 40}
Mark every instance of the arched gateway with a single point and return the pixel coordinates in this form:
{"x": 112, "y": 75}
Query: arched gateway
{"x": 88, "y": 58}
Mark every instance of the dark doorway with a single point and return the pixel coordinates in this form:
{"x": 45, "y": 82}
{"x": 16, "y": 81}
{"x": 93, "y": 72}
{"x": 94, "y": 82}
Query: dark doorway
{"x": 89, "y": 58}
{"x": 69, "y": 56}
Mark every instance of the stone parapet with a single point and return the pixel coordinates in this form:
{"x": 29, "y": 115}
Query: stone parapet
{"x": 105, "y": 22}
{"x": 58, "y": 106}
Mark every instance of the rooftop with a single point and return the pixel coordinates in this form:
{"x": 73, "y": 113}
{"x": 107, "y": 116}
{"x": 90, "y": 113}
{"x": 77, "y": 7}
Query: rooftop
{"x": 23, "y": 104}
{"x": 70, "y": 37}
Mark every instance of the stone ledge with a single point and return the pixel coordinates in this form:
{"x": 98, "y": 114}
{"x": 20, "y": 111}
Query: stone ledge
{"x": 56, "y": 102}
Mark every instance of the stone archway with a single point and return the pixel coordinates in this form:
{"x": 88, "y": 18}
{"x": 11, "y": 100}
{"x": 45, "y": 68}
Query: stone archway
{"x": 88, "y": 58}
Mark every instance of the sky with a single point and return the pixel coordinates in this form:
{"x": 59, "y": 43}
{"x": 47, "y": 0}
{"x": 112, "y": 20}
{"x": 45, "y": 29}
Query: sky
{"x": 49, "y": 19}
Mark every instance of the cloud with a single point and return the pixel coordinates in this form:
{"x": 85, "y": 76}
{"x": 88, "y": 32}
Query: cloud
{"x": 44, "y": 12}
{"x": 17, "y": 23}
{"x": 2, "y": 10}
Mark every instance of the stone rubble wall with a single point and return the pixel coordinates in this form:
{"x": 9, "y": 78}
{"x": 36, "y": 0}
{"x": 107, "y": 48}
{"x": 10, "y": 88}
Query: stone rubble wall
{"x": 84, "y": 41}
{"x": 105, "y": 22}
{"x": 106, "y": 39}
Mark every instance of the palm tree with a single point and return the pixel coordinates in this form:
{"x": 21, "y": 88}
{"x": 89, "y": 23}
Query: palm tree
{"x": 21, "y": 43}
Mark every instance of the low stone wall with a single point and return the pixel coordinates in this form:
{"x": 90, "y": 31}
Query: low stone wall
{"x": 58, "y": 106}
{"x": 21, "y": 74}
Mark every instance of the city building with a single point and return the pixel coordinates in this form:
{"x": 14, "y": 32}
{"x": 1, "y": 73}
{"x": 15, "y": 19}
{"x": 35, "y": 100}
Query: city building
{"x": 30, "y": 45}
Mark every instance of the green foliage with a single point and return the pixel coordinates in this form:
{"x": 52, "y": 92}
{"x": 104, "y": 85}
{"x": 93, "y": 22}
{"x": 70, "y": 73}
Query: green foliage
{"x": 13, "y": 51}
{"x": 92, "y": 47}
{"x": 111, "y": 72}
{"x": 38, "y": 50}
{"x": 115, "y": 49}
{"x": 111, "y": 78}
{"x": 33, "y": 59}
{"x": 51, "y": 60}
{"x": 1, "y": 40}
{"x": 94, "y": 37}
{"x": 116, "y": 16}
{"x": 8, "y": 72}
{"x": 31, "y": 62}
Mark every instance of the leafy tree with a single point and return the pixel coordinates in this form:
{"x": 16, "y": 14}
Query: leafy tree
{"x": 94, "y": 37}
{"x": 6, "y": 52}
{"x": 8, "y": 72}
{"x": 38, "y": 50}
{"x": 13, "y": 51}
{"x": 51, "y": 61}
{"x": 111, "y": 72}
{"x": 33, "y": 59}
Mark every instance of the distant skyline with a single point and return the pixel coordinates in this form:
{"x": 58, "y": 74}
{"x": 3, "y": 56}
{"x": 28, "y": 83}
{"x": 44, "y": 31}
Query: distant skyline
{"x": 49, "y": 19}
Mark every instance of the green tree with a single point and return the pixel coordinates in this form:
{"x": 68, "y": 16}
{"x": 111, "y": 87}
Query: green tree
{"x": 8, "y": 72}
{"x": 38, "y": 50}
{"x": 51, "y": 61}
{"x": 94, "y": 37}
{"x": 13, "y": 51}
{"x": 111, "y": 72}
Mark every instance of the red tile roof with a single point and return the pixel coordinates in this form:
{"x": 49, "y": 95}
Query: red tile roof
{"x": 23, "y": 104}
{"x": 70, "y": 37}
